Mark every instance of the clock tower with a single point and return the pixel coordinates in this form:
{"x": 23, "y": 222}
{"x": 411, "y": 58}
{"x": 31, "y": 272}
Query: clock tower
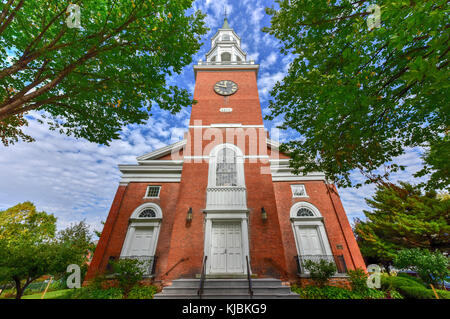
{"x": 223, "y": 202}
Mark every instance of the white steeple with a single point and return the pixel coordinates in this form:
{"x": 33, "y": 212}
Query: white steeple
{"x": 226, "y": 47}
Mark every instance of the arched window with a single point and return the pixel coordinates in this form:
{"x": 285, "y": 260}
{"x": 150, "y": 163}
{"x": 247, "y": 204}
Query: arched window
{"x": 225, "y": 57}
{"x": 213, "y": 59}
{"x": 238, "y": 58}
{"x": 147, "y": 213}
{"x": 226, "y": 169}
{"x": 309, "y": 232}
{"x": 226, "y": 166}
{"x": 305, "y": 212}
{"x": 226, "y": 37}
{"x": 142, "y": 235}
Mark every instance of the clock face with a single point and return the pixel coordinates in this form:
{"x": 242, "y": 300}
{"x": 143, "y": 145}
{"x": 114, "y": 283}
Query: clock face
{"x": 225, "y": 87}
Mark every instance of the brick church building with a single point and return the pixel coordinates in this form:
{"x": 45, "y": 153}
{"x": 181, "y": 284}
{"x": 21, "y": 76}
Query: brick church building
{"x": 222, "y": 203}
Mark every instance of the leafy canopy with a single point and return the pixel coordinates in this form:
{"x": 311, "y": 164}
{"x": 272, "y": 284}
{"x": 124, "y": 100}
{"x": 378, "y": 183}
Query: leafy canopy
{"x": 403, "y": 217}
{"x": 358, "y": 97}
{"x": 30, "y": 247}
{"x": 91, "y": 81}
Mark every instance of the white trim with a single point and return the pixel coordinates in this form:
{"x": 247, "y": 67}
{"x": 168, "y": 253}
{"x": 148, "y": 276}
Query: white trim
{"x": 281, "y": 172}
{"x": 226, "y": 125}
{"x": 306, "y": 221}
{"x": 136, "y": 222}
{"x": 208, "y": 157}
{"x": 162, "y": 151}
{"x": 147, "y": 190}
{"x": 302, "y": 186}
{"x": 240, "y": 181}
{"x": 152, "y": 171}
{"x": 226, "y": 216}
{"x": 139, "y": 209}
{"x": 298, "y": 205}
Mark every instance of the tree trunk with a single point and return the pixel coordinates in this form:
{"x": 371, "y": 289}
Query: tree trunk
{"x": 19, "y": 289}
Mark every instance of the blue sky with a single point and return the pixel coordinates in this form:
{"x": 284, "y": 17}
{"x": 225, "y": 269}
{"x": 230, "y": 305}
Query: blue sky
{"x": 76, "y": 180}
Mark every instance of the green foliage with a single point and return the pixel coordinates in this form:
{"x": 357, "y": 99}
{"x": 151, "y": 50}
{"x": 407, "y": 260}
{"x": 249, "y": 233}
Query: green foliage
{"x": 358, "y": 280}
{"x": 320, "y": 271}
{"x": 432, "y": 267}
{"x": 128, "y": 272}
{"x": 31, "y": 248}
{"x": 142, "y": 292}
{"x": 410, "y": 288}
{"x": 403, "y": 217}
{"x": 92, "y": 81}
{"x": 93, "y": 293}
{"x": 331, "y": 292}
{"x": 437, "y": 164}
{"x": 358, "y": 98}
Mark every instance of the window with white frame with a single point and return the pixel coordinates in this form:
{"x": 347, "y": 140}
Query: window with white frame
{"x": 226, "y": 170}
{"x": 298, "y": 191}
{"x": 152, "y": 191}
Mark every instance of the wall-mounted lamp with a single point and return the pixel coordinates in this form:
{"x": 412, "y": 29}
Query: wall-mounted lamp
{"x": 263, "y": 213}
{"x": 189, "y": 214}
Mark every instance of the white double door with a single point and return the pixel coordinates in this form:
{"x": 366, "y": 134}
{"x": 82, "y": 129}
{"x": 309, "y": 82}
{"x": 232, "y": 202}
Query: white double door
{"x": 226, "y": 248}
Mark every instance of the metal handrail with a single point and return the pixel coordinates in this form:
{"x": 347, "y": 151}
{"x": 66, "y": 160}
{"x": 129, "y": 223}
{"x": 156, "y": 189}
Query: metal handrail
{"x": 249, "y": 278}
{"x": 202, "y": 279}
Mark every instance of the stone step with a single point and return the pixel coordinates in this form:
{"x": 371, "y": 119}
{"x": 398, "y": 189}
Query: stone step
{"x": 263, "y": 288}
{"x": 227, "y": 290}
{"x": 226, "y": 282}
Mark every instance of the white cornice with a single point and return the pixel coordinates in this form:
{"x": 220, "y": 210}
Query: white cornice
{"x": 161, "y": 152}
{"x": 226, "y": 125}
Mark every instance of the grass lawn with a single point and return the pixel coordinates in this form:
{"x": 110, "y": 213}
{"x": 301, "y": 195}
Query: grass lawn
{"x": 57, "y": 294}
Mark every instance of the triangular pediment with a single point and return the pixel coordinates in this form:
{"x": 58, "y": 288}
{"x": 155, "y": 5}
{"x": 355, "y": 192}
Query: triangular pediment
{"x": 161, "y": 152}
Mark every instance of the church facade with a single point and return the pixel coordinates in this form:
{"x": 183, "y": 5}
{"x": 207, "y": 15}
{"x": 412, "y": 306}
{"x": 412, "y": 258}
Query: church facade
{"x": 223, "y": 202}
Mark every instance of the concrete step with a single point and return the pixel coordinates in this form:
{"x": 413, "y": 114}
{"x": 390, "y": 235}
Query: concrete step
{"x": 263, "y": 282}
{"x": 263, "y": 288}
{"x": 227, "y": 290}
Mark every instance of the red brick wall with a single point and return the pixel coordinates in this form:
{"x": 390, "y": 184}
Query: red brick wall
{"x": 181, "y": 244}
{"x": 245, "y": 102}
{"x": 336, "y": 224}
{"x": 127, "y": 199}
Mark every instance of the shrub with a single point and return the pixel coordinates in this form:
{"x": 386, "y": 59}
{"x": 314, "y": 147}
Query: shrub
{"x": 358, "y": 280}
{"x": 320, "y": 271}
{"x": 142, "y": 292}
{"x": 432, "y": 267}
{"x": 411, "y": 288}
{"x": 331, "y": 292}
{"x": 92, "y": 293}
{"x": 128, "y": 272}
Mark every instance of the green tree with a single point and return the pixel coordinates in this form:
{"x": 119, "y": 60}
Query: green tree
{"x": 30, "y": 247}
{"x": 432, "y": 267}
{"x": 403, "y": 217}
{"x": 359, "y": 97}
{"x": 90, "y": 81}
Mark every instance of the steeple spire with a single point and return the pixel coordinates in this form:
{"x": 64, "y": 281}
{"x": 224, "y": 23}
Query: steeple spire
{"x": 225, "y": 21}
